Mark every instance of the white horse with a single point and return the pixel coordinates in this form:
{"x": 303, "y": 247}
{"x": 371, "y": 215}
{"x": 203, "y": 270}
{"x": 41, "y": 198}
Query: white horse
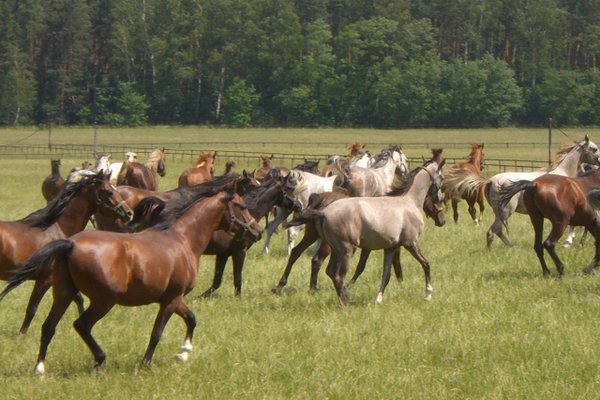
{"x": 298, "y": 186}
{"x": 567, "y": 163}
{"x": 374, "y": 223}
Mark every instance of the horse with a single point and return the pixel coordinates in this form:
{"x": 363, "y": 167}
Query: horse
{"x": 267, "y": 165}
{"x": 65, "y": 215}
{"x": 473, "y": 165}
{"x": 115, "y": 168}
{"x": 132, "y": 270}
{"x": 53, "y": 183}
{"x": 378, "y": 179}
{"x": 202, "y": 171}
{"x": 563, "y": 201}
{"x": 372, "y": 223}
{"x": 311, "y": 235}
{"x": 144, "y": 176}
{"x": 566, "y": 163}
{"x": 298, "y": 186}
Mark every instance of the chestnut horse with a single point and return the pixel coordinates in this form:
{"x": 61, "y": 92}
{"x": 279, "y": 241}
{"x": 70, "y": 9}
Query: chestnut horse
{"x": 563, "y": 201}
{"x": 53, "y": 183}
{"x": 452, "y": 181}
{"x": 202, "y": 171}
{"x": 67, "y": 214}
{"x": 158, "y": 265}
{"x": 143, "y": 176}
{"x": 267, "y": 165}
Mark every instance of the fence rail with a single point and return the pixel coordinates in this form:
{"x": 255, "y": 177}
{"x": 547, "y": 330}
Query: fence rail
{"x": 177, "y": 153}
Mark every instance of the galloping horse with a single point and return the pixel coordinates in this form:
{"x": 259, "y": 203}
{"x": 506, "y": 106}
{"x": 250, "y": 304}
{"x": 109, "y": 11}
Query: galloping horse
{"x": 563, "y": 201}
{"x": 144, "y": 176}
{"x": 202, "y": 171}
{"x": 567, "y": 163}
{"x": 132, "y": 270}
{"x": 84, "y": 193}
{"x": 373, "y": 223}
{"x": 452, "y": 180}
{"x": 53, "y": 183}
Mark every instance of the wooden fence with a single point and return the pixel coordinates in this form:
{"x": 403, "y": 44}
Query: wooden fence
{"x": 177, "y": 153}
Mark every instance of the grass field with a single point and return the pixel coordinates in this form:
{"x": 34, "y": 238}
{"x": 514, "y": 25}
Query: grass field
{"x": 495, "y": 329}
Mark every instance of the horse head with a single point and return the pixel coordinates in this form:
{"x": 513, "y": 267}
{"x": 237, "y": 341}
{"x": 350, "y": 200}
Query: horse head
{"x": 590, "y": 152}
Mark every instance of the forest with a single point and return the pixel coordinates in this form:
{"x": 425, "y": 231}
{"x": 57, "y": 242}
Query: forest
{"x": 302, "y": 63}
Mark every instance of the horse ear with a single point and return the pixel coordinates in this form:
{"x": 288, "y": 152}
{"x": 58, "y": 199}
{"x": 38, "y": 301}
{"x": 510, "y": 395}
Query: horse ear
{"x": 442, "y": 164}
{"x": 587, "y": 139}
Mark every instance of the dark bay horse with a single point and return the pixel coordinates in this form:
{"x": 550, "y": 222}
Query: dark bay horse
{"x": 452, "y": 181}
{"x": 67, "y": 214}
{"x": 259, "y": 199}
{"x": 143, "y": 176}
{"x": 563, "y": 201}
{"x": 202, "y": 171}
{"x": 158, "y": 265}
{"x": 53, "y": 183}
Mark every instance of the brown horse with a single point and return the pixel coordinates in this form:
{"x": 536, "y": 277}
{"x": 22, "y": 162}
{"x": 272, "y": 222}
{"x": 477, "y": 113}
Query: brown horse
{"x": 64, "y": 216}
{"x": 202, "y": 171}
{"x": 564, "y": 202}
{"x": 267, "y": 165}
{"x": 453, "y": 178}
{"x": 54, "y": 182}
{"x": 143, "y": 176}
{"x": 158, "y": 265}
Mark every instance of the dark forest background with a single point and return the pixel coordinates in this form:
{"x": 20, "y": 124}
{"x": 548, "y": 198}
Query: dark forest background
{"x": 379, "y": 63}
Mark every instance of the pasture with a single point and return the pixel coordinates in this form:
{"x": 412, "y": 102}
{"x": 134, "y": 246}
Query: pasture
{"x": 494, "y": 329}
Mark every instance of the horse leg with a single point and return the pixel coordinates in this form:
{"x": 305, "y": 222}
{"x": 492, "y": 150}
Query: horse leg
{"x": 310, "y": 236}
{"x": 280, "y": 216}
{"x": 570, "y": 237}
{"x": 220, "y": 262}
{"x": 190, "y": 322}
{"x": 360, "y": 267}
{"x": 336, "y": 270}
{"x": 496, "y": 230}
{"x": 397, "y": 266}
{"x": 40, "y": 288}
{"x": 537, "y": 220}
{"x": 62, "y": 297}
{"x": 292, "y": 235}
{"x": 472, "y": 211}
{"x": 481, "y": 202}
{"x": 238, "y": 259}
{"x": 316, "y": 261}
{"x": 84, "y": 324}
{"x": 388, "y": 255}
{"x": 558, "y": 228}
{"x": 415, "y": 251}
{"x": 595, "y": 232}
{"x": 455, "y": 210}
{"x": 165, "y": 312}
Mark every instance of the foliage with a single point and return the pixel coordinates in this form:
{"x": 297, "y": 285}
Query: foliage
{"x": 401, "y": 63}
{"x": 241, "y": 104}
{"x": 121, "y": 106}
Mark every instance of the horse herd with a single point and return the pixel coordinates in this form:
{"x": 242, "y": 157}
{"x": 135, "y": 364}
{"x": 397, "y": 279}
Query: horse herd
{"x": 147, "y": 243}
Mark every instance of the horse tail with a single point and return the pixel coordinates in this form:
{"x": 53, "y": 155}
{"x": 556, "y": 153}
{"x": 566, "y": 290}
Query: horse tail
{"x": 306, "y": 216}
{"x": 39, "y": 261}
{"x": 507, "y": 192}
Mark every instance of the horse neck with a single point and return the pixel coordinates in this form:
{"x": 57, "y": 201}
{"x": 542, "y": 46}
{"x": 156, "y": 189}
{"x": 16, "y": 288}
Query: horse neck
{"x": 569, "y": 166}
{"x": 420, "y": 187}
{"x": 265, "y": 203}
{"x": 198, "y": 224}
{"x": 55, "y": 170}
{"x": 476, "y": 159}
{"x": 77, "y": 213}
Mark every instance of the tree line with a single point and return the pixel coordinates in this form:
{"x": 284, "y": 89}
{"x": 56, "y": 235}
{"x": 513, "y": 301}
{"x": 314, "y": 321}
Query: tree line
{"x": 380, "y": 63}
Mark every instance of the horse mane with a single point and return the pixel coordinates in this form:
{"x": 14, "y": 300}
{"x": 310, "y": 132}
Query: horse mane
{"x": 45, "y": 217}
{"x": 410, "y": 179}
{"x": 560, "y": 155}
{"x": 254, "y": 196}
{"x": 154, "y": 157}
{"x": 190, "y": 197}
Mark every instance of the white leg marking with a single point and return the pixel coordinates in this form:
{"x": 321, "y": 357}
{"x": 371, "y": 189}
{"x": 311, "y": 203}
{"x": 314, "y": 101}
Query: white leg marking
{"x": 40, "y": 369}
{"x": 186, "y": 350}
{"x": 379, "y": 298}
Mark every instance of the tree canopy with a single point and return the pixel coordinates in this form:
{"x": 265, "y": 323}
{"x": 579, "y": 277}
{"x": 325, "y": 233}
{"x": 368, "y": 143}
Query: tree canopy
{"x": 393, "y": 63}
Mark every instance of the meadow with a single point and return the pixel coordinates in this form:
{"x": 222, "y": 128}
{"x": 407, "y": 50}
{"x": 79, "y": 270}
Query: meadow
{"x": 495, "y": 328}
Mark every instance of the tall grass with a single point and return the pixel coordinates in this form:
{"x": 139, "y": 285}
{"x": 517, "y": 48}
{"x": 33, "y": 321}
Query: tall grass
{"x": 495, "y": 328}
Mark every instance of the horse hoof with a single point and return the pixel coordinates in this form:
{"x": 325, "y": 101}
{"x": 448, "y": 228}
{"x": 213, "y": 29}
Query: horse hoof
{"x": 277, "y": 290}
{"x": 379, "y": 298}
{"x": 40, "y": 369}
{"x": 428, "y": 297}
{"x": 182, "y": 357}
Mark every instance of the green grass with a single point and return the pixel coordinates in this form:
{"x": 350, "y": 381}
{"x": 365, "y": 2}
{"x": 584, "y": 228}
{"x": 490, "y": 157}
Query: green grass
{"x": 495, "y": 328}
